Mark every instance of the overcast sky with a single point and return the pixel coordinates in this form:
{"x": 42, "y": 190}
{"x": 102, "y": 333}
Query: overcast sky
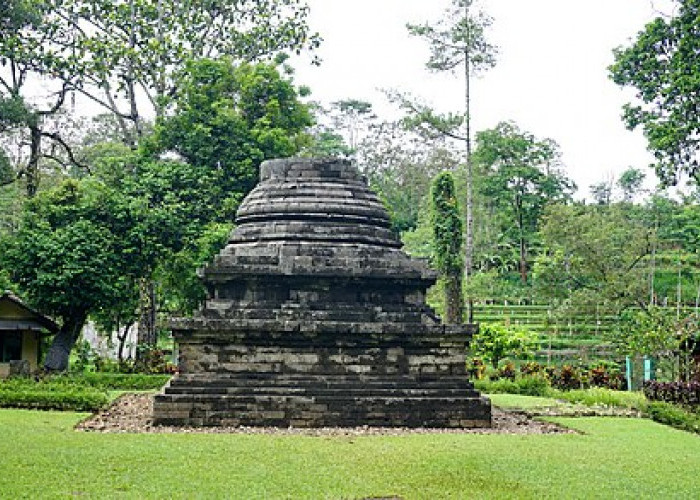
{"x": 551, "y": 76}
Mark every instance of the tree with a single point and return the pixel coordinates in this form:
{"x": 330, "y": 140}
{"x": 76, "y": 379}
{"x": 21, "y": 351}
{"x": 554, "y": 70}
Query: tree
{"x": 116, "y": 53}
{"x": 401, "y": 165}
{"x": 520, "y": 176}
{"x": 447, "y": 240}
{"x": 230, "y": 119}
{"x": 663, "y": 65}
{"x": 602, "y": 192}
{"x": 594, "y": 254}
{"x": 78, "y": 247}
{"x": 458, "y": 41}
{"x": 496, "y": 342}
{"x": 630, "y": 183}
{"x": 19, "y": 113}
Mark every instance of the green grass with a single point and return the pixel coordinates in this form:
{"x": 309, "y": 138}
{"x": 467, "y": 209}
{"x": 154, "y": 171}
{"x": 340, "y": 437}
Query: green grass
{"x": 518, "y": 401}
{"x": 42, "y": 457}
{"x": 603, "y": 397}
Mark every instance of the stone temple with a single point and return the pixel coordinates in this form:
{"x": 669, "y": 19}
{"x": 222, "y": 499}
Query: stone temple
{"x": 315, "y": 317}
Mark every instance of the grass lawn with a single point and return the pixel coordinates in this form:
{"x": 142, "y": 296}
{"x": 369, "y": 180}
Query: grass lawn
{"x": 41, "y": 456}
{"x": 523, "y": 402}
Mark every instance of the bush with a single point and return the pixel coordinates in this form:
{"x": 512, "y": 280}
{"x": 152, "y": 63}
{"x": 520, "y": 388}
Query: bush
{"x": 51, "y": 394}
{"x": 123, "y": 381}
{"x": 476, "y": 369}
{"x": 669, "y": 414}
{"x": 531, "y": 368}
{"x": 507, "y": 371}
{"x": 496, "y": 342}
{"x": 534, "y": 385}
{"x": 604, "y": 397}
{"x": 152, "y": 360}
{"x": 527, "y": 386}
{"x": 681, "y": 393}
{"x": 566, "y": 378}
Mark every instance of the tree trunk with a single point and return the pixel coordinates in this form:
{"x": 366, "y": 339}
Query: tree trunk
{"x": 32, "y": 171}
{"x": 147, "y": 319}
{"x": 454, "y": 302}
{"x": 469, "y": 229}
{"x": 57, "y": 357}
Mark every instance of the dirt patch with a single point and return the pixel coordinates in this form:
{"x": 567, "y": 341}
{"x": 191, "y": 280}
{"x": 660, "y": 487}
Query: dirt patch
{"x": 133, "y": 413}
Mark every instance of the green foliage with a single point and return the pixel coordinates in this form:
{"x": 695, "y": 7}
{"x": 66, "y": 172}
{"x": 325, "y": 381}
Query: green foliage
{"x": 630, "y": 183}
{"x": 460, "y": 34}
{"x": 229, "y": 119}
{"x": 675, "y": 416}
{"x": 447, "y": 241}
{"x": 78, "y": 250}
{"x": 121, "y": 381}
{"x": 400, "y": 164}
{"x": 495, "y": 342}
{"x": 144, "y": 43}
{"x": 447, "y": 225}
{"x": 533, "y": 385}
{"x": 68, "y": 253}
{"x": 648, "y": 332}
{"x": 662, "y": 65}
{"x": 51, "y": 394}
{"x": 520, "y": 176}
{"x": 594, "y": 255}
{"x": 599, "y": 396}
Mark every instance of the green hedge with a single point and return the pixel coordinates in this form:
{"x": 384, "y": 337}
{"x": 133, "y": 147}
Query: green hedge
{"x": 527, "y": 386}
{"x": 76, "y": 392}
{"x": 50, "y": 394}
{"x": 675, "y": 416}
{"x": 122, "y": 381}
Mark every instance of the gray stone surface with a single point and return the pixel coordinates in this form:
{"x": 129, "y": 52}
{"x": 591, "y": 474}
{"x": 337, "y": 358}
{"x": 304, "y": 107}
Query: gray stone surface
{"x": 315, "y": 317}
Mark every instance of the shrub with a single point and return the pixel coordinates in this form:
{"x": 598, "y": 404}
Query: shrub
{"x": 124, "y": 382}
{"x": 534, "y": 385}
{"x": 606, "y": 374}
{"x": 51, "y": 394}
{"x": 669, "y": 414}
{"x": 152, "y": 360}
{"x": 604, "y": 397}
{"x": 567, "y": 377}
{"x": 496, "y": 342}
{"x": 681, "y": 393}
{"x": 528, "y": 386}
{"x": 507, "y": 371}
{"x": 531, "y": 368}
{"x": 476, "y": 369}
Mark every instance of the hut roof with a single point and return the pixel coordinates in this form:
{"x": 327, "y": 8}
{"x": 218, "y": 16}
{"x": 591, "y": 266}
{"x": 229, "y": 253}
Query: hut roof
{"x": 16, "y": 315}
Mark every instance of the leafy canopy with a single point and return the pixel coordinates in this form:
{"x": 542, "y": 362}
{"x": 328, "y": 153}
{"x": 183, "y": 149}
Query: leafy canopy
{"x": 663, "y": 65}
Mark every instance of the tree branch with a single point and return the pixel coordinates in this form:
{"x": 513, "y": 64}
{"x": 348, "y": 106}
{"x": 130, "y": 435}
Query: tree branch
{"x": 69, "y": 151}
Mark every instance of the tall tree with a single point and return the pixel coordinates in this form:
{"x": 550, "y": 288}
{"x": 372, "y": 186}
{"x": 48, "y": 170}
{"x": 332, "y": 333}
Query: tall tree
{"x": 128, "y": 56}
{"x": 521, "y": 175}
{"x": 458, "y": 43}
{"x": 630, "y": 183}
{"x": 447, "y": 240}
{"x": 596, "y": 254}
{"x": 663, "y": 65}
{"x": 76, "y": 250}
{"x": 401, "y": 165}
{"x": 22, "y": 112}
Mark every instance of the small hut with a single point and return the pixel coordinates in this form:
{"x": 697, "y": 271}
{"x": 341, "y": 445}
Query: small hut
{"x": 21, "y": 329}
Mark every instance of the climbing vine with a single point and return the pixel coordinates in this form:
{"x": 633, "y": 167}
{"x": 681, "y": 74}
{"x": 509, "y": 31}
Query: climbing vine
{"x": 447, "y": 241}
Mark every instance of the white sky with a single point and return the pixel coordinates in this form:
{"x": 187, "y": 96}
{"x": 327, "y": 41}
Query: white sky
{"x": 551, "y": 76}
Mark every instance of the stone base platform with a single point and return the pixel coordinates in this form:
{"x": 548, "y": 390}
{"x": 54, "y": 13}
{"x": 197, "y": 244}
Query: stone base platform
{"x": 286, "y": 400}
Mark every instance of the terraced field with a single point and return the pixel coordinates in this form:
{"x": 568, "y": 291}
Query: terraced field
{"x": 575, "y": 334}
